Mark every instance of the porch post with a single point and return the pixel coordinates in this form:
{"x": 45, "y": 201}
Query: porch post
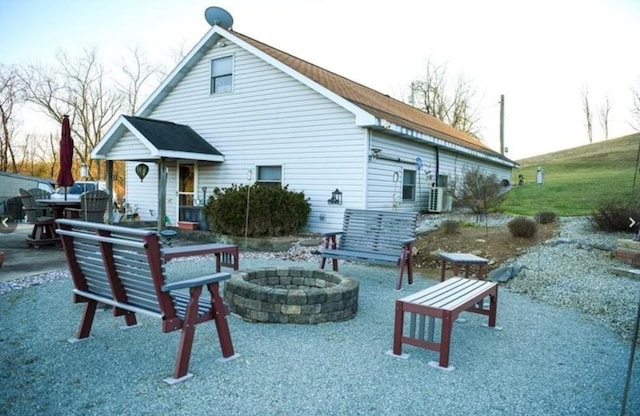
{"x": 109, "y": 180}
{"x": 162, "y": 193}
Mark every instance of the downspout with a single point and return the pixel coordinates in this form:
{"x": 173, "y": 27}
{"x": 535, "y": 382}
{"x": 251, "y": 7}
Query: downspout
{"x": 437, "y": 164}
{"x": 367, "y": 161}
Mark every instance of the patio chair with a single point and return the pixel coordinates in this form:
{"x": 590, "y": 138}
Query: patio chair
{"x": 37, "y": 193}
{"x": 43, "y": 232}
{"x": 93, "y": 205}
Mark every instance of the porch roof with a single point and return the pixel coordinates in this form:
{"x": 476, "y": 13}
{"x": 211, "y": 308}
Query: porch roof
{"x": 161, "y": 139}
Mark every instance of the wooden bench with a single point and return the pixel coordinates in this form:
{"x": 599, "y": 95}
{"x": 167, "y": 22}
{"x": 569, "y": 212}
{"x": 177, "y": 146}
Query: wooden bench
{"x": 445, "y": 301}
{"x": 462, "y": 260}
{"x": 384, "y": 237}
{"x": 124, "y": 268}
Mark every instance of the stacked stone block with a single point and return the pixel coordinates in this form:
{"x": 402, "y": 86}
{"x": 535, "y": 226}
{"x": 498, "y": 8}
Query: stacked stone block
{"x": 292, "y": 295}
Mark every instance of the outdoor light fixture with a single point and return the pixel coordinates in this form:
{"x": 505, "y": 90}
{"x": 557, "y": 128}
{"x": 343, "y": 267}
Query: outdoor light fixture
{"x": 204, "y": 195}
{"x": 375, "y": 152}
{"x": 141, "y": 170}
{"x": 84, "y": 170}
{"x": 336, "y": 198}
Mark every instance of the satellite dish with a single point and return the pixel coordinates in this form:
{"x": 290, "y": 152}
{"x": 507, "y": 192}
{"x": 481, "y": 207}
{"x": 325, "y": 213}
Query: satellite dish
{"x": 218, "y": 16}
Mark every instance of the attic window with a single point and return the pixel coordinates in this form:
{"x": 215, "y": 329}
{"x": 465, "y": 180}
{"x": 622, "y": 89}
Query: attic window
{"x": 221, "y": 75}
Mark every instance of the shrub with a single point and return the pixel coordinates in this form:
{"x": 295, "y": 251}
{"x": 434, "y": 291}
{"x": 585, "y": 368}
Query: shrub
{"x": 273, "y": 211}
{"x": 450, "y": 227}
{"x": 546, "y": 217}
{"x": 522, "y": 227}
{"x": 479, "y": 192}
{"x": 614, "y": 216}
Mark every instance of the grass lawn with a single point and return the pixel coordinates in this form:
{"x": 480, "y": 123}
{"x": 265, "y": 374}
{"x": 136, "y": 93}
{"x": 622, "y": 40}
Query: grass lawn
{"x": 579, "y": 180}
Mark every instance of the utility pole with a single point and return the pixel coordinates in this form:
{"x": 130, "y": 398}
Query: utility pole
{"x": 502, "y": 124}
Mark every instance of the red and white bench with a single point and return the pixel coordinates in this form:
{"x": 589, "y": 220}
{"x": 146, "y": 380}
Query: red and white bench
{"x": 444, "y": 301}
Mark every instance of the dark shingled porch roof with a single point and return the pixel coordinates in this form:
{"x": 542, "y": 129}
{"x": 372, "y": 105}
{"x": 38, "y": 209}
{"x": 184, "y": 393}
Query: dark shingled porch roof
{"x": 165, "y": 135}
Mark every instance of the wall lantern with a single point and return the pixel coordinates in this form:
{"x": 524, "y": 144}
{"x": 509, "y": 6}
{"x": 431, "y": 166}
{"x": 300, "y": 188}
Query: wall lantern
{"x": 204, "y": 195}
{"x": 141, "y": 170}
{"x": 336, "y": 198}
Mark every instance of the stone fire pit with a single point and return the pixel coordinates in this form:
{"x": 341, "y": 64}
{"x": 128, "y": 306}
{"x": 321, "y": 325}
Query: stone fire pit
{"x": 292, "y": 295}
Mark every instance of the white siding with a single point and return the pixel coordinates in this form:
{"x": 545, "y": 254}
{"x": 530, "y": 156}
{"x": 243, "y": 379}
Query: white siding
{"x": 143, "y": 194}
{"x": 381, "y": 188}
{"x": 269, "y": 119}
{"x": 129, "y": 147}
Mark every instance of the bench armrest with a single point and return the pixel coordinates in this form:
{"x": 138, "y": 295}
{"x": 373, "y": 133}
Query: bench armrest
{"x": 197, "y": 281}
{"x": 332, "y": 234}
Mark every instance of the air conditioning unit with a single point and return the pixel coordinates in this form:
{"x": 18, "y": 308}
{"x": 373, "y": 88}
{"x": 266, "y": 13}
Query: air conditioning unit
{"x": 436, "y": 200}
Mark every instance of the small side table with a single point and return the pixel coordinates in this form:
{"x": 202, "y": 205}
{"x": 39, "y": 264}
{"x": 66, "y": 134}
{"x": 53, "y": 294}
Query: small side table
{"x": 466, "y": 260}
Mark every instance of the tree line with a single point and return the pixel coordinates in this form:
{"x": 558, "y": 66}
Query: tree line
{"x": 80, "y": 87}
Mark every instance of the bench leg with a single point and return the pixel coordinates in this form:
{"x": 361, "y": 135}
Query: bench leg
{"x": 87, "y": 319}
{"x": 405, "y": 260}
{"x": 493, "y": 309}
{"x": 187, "y": 334}
{"x": 399, "y": 278}
{"x": 397, "y": 329}
{"x": 220, "y": 318}
{"x": 334, "y": 263}
{"x": 445, "y": 340}
{"x": 409, "y": 267}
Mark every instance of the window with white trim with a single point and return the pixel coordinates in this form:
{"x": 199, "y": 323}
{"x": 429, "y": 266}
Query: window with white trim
{"x": 408, "y": 185}
{"x": 269, "y": 175}
{"x": 221, "y": 75}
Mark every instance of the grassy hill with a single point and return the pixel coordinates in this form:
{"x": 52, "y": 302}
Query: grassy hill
{"x": 579, "y": 180}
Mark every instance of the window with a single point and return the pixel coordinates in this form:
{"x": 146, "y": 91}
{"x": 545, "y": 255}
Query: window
{"x": 443, "y": 181}
{"x": 270, "y": 175}
{"x": 221, "y": 74}
{"x": 409, "y": 185}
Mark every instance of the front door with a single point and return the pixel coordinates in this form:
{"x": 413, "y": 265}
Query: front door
{"x": 186, "y": 190}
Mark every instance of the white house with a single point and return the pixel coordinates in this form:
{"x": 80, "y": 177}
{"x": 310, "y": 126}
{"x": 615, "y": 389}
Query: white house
{"x": 236, "y": 111}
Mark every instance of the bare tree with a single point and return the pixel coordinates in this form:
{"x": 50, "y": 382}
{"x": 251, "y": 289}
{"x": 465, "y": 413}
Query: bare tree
{"x": 79, "y": 88}
{"x": 138, "y": 74}
{"x": 603, "y": 113}
{"x": 453, "y": 105}
{"x": 587, "y": 112}
{"x": 9, "y": 96}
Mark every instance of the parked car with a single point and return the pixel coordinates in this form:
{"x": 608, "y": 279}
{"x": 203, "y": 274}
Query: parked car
{"x": 79, "y": 187}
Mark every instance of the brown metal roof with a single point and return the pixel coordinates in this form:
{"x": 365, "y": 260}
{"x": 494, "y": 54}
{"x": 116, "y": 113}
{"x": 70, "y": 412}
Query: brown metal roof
{"x": 379, "y": 105}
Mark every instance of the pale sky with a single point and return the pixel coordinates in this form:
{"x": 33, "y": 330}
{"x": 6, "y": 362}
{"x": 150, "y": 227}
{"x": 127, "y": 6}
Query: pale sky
{"x": 540, "y": 55}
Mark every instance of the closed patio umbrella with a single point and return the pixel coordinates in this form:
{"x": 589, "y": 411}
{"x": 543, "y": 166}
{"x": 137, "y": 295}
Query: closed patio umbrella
{"x": 65, "y": 177}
